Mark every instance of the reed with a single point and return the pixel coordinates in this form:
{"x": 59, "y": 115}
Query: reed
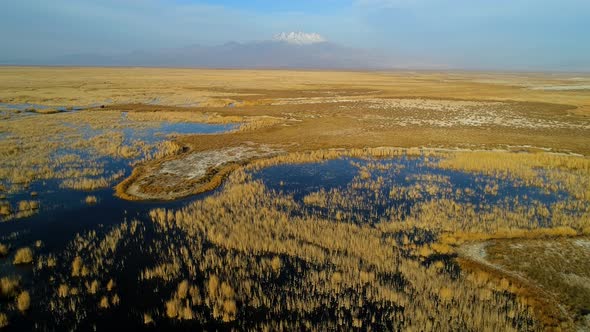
{"x": 3, "y": 320}
{"x": 23, "y": 301}
{"x": 9, "y": 286}
{"x": 91, "y": 200}
{"x": 23, "y": 256}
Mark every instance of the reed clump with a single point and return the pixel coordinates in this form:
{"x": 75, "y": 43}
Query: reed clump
{"x": 23, "y": 301}
{"x": 91, "y": 200}
{"x": 23, "y": 256}
{"x": 3, "y": 320}
{"x": 27, "y": 206}
{"x": 89, "y": 184}
{"x": 9, "y": 286}
{"x": 5, "y": 209}
{"x": 546, "y": 170}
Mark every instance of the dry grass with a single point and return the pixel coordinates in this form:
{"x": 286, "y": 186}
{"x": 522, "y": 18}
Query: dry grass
{"x": 43, "y": 110}
{"x": 104, "y": 303}
{"x": 23, "y": 209}
{"x": 23, "y": 256}
{"x": 147, "y": 319}
{"x": 23, "y": 301}
{"x": 218, "y": 87}
{"x": 89, "y": 184}
{"x": 91, "y": 200}
{"x": 25, "y": 206}
{"x": 5, "y": 209}
{"x": 78, "y": 268}
{"x": 3, "y": 320}
{"x": 551, "y": 171}
{"x": 47, "y": 261}
{"x": 9, "y": 286}
{"x": 84, "y": 277}
{"x": 241, "y": 251}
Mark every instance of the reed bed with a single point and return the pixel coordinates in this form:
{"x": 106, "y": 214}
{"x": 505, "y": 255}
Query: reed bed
{"x": 76, "y": 148}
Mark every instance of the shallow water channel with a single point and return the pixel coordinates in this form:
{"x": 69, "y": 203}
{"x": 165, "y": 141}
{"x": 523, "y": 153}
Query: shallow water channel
{"x": 376, "y": 189}
{"x": 66, "y": 209}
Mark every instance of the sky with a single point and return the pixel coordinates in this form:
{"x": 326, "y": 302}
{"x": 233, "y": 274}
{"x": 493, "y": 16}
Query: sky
{"x": 462, "y": 34}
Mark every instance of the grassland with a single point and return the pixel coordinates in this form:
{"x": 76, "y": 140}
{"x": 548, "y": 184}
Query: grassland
{"x": 250, "y": 257}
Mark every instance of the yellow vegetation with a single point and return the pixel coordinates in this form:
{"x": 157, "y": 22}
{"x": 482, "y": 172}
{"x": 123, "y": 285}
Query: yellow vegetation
{"x": 90, "y": 183}
{"x": 104, "y": 303}
{"x": 181, "y": 305}
{"x": 78, "y": 268}
{"x": 91, "y": 200}
{"x": 340, "y": 258}
{"x": 3, "y": 320}
{"x": 23, "y": 301}
{"x": 63, "y": 290}
{"x": 147, "y": 319}
{"x": 110, "y": 285}
{"x": 551, "y": 171}
{"x": 23, "y": 256}
{"x": 92, "y": 287}
{"x": 9, "y": 286}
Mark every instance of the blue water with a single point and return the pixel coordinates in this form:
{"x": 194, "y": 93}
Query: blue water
{"x": 65, "y": 214}
{"x": 154, "y": 135}
{"x": 55, "y": 200}
{"x": 299, "y": 180}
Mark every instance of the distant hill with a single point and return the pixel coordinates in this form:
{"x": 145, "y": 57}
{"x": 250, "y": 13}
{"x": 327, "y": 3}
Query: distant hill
{"x": 286, "y": 50}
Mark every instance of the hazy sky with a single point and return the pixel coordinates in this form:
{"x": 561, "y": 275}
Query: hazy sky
{"x": 488, "y": 34}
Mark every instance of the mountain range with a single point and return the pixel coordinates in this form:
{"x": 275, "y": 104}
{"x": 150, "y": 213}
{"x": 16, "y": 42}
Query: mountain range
{"x": 285, "y": 50}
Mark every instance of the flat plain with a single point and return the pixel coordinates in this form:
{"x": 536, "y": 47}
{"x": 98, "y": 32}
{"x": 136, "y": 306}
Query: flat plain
{"x": 293, "y": 200}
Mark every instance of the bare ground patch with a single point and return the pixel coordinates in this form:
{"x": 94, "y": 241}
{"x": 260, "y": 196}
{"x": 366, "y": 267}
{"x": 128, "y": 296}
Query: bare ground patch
{"x": 189, "y": 174}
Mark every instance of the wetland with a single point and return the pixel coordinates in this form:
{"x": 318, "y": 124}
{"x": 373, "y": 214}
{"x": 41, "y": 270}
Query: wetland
{"x": 316, "y": 201}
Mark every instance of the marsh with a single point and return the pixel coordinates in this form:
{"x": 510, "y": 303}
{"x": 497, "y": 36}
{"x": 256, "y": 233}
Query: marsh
{"x": 317, "y": 201}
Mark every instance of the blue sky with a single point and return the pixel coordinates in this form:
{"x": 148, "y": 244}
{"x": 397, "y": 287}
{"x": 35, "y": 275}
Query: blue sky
{"x": 471, "y": 34}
